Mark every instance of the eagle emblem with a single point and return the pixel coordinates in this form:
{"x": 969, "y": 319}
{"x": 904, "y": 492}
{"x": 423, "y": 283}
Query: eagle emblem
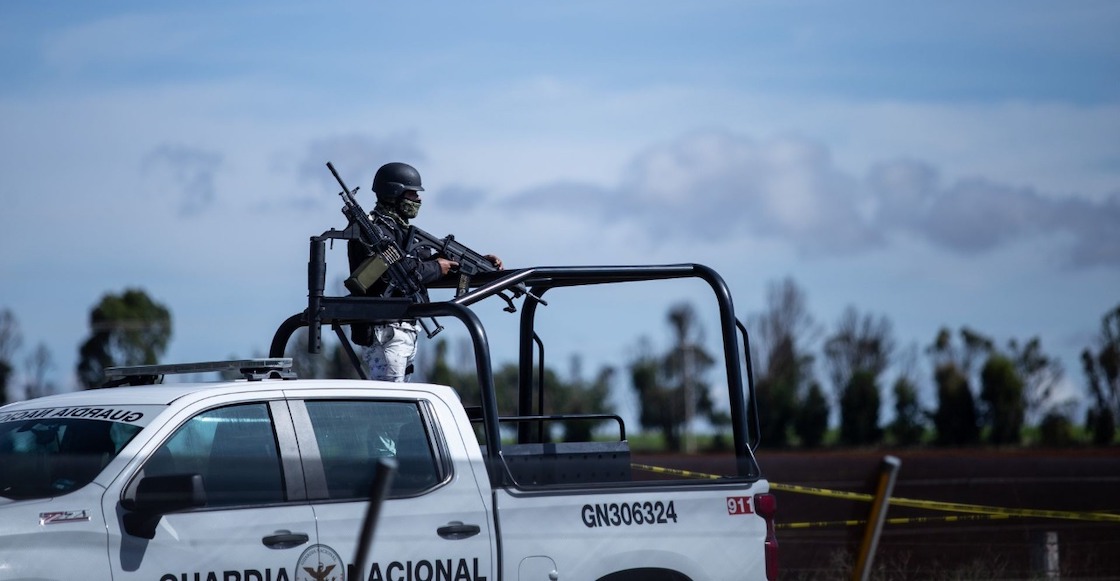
{"x": 320, "y": 563}
{"x": 320, "y": 573}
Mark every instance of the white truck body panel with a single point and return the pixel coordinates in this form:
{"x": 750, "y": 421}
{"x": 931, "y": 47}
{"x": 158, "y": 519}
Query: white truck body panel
{"x": 523, "y": 532}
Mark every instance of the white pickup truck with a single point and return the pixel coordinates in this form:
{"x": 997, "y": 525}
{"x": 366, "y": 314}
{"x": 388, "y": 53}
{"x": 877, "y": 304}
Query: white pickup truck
{"x": 267, "y": 477}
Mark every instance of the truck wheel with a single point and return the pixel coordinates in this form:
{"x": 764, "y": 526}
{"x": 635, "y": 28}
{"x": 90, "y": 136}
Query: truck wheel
{"x": 645, "y": 574}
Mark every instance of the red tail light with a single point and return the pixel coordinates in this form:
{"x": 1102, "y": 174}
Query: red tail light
{"x": 766, "y": 505}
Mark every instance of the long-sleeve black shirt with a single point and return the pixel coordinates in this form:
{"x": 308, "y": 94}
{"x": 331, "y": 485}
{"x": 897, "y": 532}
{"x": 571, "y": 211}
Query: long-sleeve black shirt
{"x": 426, "y": 267}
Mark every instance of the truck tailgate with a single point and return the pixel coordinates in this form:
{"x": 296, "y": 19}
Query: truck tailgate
{"x": 703, "y": 531}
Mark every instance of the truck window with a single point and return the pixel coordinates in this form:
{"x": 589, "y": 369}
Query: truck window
{"x": 42, "y": 458}
{"x": 233, "y": 448}
{"x": 352, "y": 435}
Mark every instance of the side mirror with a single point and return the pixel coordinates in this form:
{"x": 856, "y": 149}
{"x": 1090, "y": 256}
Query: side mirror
{"x": 159, "y": 495}
{"x": 163, "y": 494}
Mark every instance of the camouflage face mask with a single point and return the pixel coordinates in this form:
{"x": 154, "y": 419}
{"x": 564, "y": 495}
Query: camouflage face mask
{"x": 409, "y": 208}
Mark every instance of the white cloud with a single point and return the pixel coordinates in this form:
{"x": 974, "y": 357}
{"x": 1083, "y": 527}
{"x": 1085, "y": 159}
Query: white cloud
{"x": 718, "y": 186}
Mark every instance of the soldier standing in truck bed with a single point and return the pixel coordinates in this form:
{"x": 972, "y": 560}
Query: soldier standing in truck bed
{"x": 389, "y": 349}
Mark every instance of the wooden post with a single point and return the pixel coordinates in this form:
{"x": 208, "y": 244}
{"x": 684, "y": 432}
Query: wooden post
{"x": 888, "y": 471}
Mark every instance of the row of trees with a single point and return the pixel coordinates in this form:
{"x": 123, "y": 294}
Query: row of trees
{"x": 985, "y": 393}
{"x": 36, "y": 364}
{"x": 125, "y": 329}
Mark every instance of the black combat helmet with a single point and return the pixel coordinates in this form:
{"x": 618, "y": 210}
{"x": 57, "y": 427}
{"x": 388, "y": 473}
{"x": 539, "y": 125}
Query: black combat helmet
{"x": 394, "y": 179}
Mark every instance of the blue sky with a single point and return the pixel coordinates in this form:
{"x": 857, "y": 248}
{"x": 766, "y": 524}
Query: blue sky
{"x": 941, "y": 164}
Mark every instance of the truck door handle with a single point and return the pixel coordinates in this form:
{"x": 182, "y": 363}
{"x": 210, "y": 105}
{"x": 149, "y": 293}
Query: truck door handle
{"x": 456, "y": 530}
{"x": 285, "y": 540}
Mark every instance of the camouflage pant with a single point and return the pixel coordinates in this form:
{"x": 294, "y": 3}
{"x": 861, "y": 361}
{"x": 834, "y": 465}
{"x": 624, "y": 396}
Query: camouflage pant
{"x": 390, "y": 356}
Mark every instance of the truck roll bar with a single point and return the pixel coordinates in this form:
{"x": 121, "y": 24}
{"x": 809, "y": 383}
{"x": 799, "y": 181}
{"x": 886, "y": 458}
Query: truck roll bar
{"x": 531, "y": 283}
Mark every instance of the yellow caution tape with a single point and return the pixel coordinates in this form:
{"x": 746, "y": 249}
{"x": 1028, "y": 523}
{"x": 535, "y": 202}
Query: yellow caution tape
{"x": 892, "y": 521}
{"x": 675, "y": 471}
{"x": 909, "y": 502}
{"x": 953, "y": 506}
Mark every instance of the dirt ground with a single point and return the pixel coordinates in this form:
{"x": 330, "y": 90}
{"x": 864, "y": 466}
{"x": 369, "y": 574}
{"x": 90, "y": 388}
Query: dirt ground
{"x": 816, "y": 543}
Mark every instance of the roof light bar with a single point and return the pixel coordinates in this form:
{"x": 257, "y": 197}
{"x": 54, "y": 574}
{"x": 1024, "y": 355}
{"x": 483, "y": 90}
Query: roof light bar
{"x": 252, "y": 369}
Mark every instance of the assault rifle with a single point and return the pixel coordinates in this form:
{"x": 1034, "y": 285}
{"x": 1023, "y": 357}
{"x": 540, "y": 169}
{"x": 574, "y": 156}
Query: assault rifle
{"x": 471, "y": 263}
{"x": 386, "y": 256}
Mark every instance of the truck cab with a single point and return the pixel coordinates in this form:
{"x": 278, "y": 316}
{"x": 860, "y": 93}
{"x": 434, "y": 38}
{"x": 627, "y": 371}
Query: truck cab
{"x": 241, "y": 479}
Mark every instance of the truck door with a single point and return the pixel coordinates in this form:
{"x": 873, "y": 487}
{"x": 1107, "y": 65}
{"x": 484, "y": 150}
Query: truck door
{"x": 434, "y": 525}
{"x": 254, "y": 522}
